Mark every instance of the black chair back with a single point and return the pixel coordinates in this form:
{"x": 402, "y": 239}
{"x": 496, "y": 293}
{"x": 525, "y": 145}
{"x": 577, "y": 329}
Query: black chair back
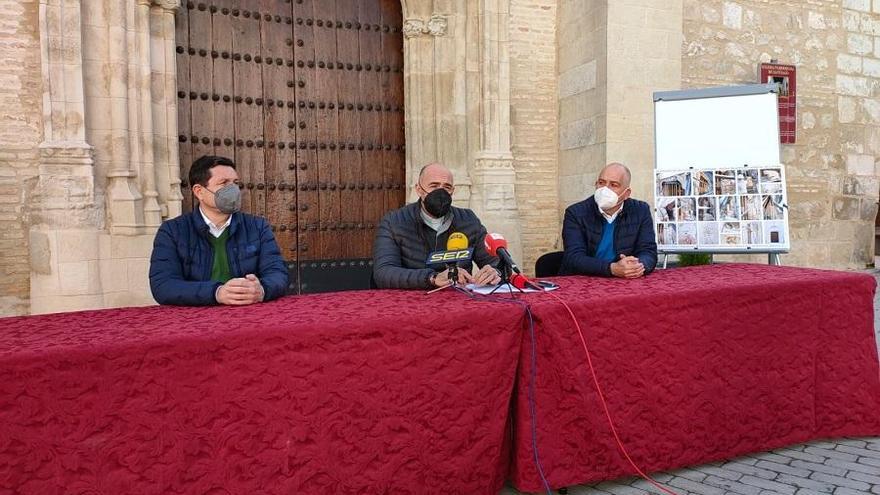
{"x": 548, "y": 264}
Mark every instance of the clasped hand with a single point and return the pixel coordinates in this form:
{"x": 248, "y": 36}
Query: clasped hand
{"x": 241, "y": 291}
{"x": 627, "y": 267}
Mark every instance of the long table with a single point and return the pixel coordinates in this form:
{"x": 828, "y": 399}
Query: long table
{"x": 402, "y": 392}
{"x": 696, "y": 365}
{"x": 359, "y": 392}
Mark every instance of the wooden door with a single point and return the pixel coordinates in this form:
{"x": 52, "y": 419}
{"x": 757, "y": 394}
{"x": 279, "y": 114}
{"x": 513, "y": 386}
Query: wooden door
{"x": 306, "y": 96}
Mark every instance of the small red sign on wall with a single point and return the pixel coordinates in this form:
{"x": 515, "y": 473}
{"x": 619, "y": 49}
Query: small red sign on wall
{"x": 786, "y": 77}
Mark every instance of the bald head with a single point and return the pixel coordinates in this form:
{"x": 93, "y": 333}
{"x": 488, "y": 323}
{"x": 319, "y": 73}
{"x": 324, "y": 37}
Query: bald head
{"x": 434, "y": 176}
{"x": 433, "y": 170}
{"x": 616, "y": 173}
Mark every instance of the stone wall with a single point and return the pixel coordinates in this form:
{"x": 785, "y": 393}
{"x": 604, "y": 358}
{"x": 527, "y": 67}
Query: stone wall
{"x": 644, "y": 56}
{"x": 832, "y": 178}
{"x": 612, "y": 57}
{"x": 534, "y": 124}
{"x": 582, "y": 72}
{"x": 20, "y": 136}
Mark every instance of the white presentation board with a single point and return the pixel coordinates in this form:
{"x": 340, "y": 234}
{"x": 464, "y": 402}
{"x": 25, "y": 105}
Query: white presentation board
{"x": 729, "y": 127}
{"x": 718, "y": 182}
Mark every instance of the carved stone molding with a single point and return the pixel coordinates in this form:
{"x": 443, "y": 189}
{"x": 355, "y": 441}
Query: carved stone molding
{"x": 65, "y": 192}
{"x": 434, "y": 26}
{"x": 170, "y": 5}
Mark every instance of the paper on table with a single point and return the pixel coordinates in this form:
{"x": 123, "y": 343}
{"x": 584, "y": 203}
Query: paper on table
{"x": 503, "y": 289}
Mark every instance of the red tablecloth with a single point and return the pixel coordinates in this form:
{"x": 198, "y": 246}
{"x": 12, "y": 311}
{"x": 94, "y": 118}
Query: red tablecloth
{"x": 359, "y": 392}
{"x": 400, "y": 392}
{"x": 697, "y": 365}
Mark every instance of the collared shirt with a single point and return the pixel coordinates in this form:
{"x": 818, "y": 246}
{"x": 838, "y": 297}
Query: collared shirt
{"x": 610, "y": 218}
{"x": 214, "y": 229}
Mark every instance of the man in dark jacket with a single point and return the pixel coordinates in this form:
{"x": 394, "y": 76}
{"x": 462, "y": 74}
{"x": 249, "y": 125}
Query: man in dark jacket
{"x": 406, "y": 236}
{"x": 609, "y": 234}
{"x": 216, "y": 254}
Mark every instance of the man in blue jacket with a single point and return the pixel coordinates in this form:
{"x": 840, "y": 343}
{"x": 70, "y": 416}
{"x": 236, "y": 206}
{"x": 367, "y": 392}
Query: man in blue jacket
{"x": 216, "y": 254}
{"x": 609, "y": 234}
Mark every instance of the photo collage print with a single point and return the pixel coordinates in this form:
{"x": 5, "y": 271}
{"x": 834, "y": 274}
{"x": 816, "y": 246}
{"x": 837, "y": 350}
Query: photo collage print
{"x": 720, "y": 208}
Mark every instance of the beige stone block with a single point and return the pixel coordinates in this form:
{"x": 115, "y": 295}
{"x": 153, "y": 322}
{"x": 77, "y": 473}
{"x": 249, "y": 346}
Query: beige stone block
{"x": 871, "y": 107}
{"x": 578, "y": 79}
{"x": 868, "y": 210}
{"x": 845, "y": 208}
{"x": 577, "y": 134}
{"x": 731, "y": 15}
{"x": 815, "y": 20}
{"x": 43, "y": 250}
{"x": 871, "y": 67}
{"x": 876, "y": 6}
{"x": 114, "y": 275}
{"x": 668, "y": 20}
{"x": 575, "y": 188}
{"x": 127, "y": 299}
{"x": 860, "y": 164}
{"x": 59, "y": 304}
{"x": 851, "y": 20}
{"x": 852, "y": 86}
{"x": 138, "y": 273}
{"x": 79, "y": 277}
{"x": 77, "y": 245}
{"x": 849, "y": 64}
{"x": 138, "y": 246}
{"x": 860, "y": 5}
{"x": 859, "y": 44}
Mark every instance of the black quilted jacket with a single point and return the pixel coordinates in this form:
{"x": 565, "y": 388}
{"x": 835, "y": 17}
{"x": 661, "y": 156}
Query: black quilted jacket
{"x": 403, "y": 242}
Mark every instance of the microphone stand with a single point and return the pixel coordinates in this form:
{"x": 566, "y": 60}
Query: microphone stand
{"x": 506, "y": 272}
{"x": 453, "y": 278}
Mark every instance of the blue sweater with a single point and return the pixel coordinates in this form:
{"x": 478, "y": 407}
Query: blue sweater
{"x": 582, "y": 231}
{"x": 180, "y": 265}
{"x": 605, "y": 251}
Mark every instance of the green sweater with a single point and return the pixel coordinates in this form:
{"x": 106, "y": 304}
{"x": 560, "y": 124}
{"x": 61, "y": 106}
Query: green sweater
{"x": 220, "y": 271}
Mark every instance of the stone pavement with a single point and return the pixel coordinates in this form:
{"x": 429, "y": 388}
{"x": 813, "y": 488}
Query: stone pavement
{"x": 846, "y": 466}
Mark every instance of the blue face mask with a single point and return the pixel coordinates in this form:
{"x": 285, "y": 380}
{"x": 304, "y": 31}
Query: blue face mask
{"x": 227, "y": 199}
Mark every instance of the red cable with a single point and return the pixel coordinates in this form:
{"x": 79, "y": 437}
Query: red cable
{"x": 604, "y": 404}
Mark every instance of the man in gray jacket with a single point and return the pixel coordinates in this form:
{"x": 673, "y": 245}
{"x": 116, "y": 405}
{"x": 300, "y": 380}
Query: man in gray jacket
{"x": 407, "y": 235}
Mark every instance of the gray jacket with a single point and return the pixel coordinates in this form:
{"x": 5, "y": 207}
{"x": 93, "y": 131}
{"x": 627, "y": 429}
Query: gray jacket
{"x": 403, "y": 242}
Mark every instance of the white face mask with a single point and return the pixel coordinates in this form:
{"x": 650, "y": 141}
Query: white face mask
{"x": 605, "y": 198}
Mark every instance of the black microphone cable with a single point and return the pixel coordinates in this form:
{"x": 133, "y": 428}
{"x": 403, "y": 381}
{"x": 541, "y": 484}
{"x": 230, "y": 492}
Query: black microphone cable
{"x": 533, "y": 376}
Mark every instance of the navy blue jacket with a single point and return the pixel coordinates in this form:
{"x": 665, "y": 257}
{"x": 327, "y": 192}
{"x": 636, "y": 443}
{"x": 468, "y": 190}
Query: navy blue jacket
{"x": 582, "y": 230}
{"x": 180, "y": 266}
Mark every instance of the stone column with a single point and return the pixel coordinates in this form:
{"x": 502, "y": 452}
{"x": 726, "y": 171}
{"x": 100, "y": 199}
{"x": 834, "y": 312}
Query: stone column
{"x": 143, "y": 89}
{"x": 65, "y": 216}
{"x": 418, "y": 86}
{"x": 125, "y": 200}
{"x": 66, "y": 185}
{"x": 164, "y": 103}
{"x": 493, "y": 195}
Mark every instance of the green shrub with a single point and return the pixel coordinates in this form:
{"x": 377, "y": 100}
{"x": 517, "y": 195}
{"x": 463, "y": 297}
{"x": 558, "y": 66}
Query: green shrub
{"x": 694, "y": 259}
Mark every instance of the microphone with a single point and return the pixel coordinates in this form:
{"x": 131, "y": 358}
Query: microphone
{"x": 520, "y": 281}
{"x": 457, "y": 251}
{"x": 496, "y": 245}
{"x": 456, "y": 242}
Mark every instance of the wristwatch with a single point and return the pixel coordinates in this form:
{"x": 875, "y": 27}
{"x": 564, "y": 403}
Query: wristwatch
{"x": 432, "y": 279}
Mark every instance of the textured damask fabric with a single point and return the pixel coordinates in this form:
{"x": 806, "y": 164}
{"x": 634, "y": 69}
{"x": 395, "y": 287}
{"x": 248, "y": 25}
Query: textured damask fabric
{"x": 400, "y": 392}
{"x": 697, "y": 365}
{"x": 373, "y": 392}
